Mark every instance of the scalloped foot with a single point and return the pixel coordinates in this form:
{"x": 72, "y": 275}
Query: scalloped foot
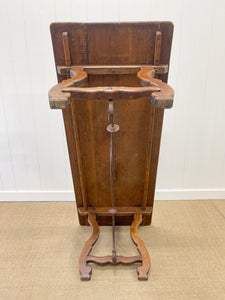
{"x": 85, "y": 273}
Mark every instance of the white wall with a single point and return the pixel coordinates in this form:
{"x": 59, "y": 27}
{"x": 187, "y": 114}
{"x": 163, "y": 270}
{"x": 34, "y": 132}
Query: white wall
{"x": 34, "y": 162}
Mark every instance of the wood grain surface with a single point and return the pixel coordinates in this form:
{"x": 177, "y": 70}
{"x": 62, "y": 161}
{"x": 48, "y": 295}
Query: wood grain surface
{"x": 136, "y": 151}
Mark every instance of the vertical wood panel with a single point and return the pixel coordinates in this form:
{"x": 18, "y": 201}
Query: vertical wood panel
{"x": 132, "y": 10}
{"x": 214, "y": 106}
{"x": 197, "y": 134}
{"x": 188, "y": 129}
{"x": 61, "y": 168}
{"x": 95, "y": 10}
{"x": 7, "y": 180}
{"x": 35, "y": 58}
{"x": 24, "y": 96}
{"x": 33, "y": 152}
{"x": 172, "y": 10}
{"x": 111, "y": 11}
{"x": 63, "y": 9}
{"x": 79, "y": 10}
{"x": 157, "y": 9}
{"x": 9, "y": 100}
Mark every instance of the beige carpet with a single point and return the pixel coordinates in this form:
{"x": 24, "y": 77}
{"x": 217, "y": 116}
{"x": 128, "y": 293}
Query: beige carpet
{"x": 40, "y": 244}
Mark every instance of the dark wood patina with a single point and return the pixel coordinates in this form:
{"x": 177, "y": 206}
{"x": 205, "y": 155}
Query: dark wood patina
{"x": 112, "y": 91}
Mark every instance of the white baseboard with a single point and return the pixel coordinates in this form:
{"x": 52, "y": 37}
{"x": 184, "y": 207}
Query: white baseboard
{"x": 27, "y": 196}
{"x": 185, "y": 194}
{"x": 190, "y": 194}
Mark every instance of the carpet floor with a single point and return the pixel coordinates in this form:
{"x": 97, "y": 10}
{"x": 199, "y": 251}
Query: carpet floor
{"x": 40, "y": 243}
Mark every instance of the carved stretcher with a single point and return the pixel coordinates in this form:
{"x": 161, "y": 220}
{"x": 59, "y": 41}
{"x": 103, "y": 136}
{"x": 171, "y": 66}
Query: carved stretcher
{"x": 112, "y": 91}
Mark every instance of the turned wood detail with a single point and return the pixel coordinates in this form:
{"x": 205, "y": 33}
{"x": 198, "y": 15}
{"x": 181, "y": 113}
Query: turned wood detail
{"x": 143, "y": 258}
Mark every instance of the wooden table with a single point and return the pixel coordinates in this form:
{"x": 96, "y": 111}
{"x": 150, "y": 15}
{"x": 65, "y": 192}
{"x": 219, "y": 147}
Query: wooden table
{"x": 112, "y": 91}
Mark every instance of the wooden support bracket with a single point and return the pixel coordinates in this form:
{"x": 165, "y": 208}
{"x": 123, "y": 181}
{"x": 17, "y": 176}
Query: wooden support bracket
{"x": 120, "y": 211}
{"x": 115, "y": 69}
{"x": 161, "y": 93}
